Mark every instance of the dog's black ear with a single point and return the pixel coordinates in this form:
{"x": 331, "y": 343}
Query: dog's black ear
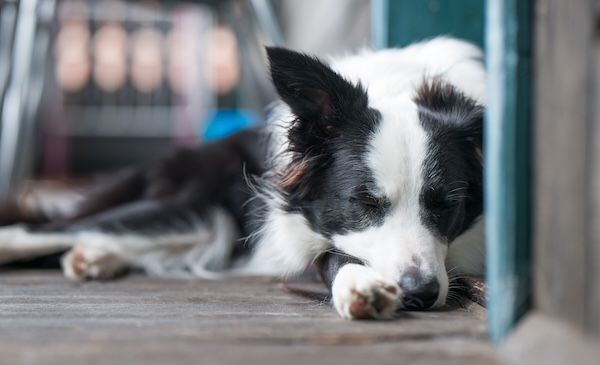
{"x": 316, "y": 94}
{"x": 444, "y": 110}
{"x": 324, "y": 103}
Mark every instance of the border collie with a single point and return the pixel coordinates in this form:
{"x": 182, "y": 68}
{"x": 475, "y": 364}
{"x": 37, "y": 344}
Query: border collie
{"x": 370, "y": 169}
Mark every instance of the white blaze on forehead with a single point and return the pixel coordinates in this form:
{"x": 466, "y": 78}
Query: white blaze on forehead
{"x": 395, "y": 156}
{"x": 397, "y": 151}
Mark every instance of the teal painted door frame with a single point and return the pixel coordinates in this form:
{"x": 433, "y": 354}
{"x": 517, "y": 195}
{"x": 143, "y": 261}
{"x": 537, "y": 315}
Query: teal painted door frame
{"x": 409, "y": 21}
{"x": 507, "y": 163}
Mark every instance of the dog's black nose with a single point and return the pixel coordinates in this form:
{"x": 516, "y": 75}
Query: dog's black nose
{"x": 419, "y": 292}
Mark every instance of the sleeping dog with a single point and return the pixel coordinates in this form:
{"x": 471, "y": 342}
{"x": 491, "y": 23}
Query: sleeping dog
{"x": 370, "y": 169}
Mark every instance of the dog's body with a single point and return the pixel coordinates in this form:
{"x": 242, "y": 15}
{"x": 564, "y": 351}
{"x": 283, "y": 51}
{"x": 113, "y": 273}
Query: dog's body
{"x": 370, "y": 168}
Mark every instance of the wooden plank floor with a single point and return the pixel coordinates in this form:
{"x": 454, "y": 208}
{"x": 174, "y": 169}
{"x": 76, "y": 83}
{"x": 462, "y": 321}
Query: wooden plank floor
{"x": 45, "y": 319}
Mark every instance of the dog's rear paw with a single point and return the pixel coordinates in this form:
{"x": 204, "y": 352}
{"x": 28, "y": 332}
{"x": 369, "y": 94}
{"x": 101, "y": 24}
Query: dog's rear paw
{"x": 86, "y": 261}
{"x": 360, "y": 293}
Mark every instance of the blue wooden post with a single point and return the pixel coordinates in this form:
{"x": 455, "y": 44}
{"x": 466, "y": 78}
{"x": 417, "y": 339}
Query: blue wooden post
{"x": 507, "y": 156}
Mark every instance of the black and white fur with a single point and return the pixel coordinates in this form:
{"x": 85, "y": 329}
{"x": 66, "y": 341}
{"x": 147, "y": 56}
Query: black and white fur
{"x": 370, "y": 169}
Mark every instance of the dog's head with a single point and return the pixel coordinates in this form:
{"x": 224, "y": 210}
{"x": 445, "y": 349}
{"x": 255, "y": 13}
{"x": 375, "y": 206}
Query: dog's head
{"x": 392, "y": 182}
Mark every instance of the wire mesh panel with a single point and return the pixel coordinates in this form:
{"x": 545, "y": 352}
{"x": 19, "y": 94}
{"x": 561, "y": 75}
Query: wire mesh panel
{"x": 128, "y": 78}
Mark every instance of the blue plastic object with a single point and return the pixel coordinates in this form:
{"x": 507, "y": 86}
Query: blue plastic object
{"x": 223, "y": 122}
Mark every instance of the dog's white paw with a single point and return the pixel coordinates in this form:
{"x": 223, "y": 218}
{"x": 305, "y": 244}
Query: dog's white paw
{"x": 359, "y": 292}
{"x": 85, "y": 261}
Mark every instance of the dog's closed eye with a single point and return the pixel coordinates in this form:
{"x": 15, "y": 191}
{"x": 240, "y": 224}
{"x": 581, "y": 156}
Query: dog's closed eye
{"x": 370, "y": 202}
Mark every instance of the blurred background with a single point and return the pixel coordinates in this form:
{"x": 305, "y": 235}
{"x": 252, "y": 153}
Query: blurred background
{"x": 87, "y": 86}
{"x": 92, "y": 85}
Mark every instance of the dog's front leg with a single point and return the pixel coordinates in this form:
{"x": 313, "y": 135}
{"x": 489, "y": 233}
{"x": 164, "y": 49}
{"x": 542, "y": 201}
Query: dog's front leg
{"x": 358, "y": 291}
